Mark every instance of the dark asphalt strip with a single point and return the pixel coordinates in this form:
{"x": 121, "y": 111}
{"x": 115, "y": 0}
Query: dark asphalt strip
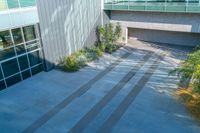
{"x": 121, "y": 109}
{"x": 43, "y": 119}
{"x": 89, "y": 116}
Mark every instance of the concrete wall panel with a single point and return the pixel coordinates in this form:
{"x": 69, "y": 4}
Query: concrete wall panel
{"x": 178, "y": 38}
{"x": 67, "y": 25}
{"x": 181, "y": 22}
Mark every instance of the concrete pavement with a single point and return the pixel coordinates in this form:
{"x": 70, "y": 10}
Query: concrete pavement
{"x": 129, "y": 91}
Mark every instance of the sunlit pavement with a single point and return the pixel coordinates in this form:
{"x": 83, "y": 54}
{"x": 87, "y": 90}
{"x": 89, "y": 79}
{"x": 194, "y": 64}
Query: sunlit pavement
{"x": 127, "y": 92}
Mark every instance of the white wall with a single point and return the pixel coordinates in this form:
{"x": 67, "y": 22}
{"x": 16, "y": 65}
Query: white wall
{"x": 18, "y": 17}
{"x": 67, "y": 25}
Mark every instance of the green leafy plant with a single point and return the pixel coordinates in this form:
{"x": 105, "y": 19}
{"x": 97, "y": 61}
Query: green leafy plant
{"x": 107, "y": 35}
{"x": 98, "y": 51}
{"x": 102, "y": 47}
{"x": 189, "y": 71}
{"x": 117, "y": 32}
{"x": 70, "y": 64}
{"x": 111, "y": 48}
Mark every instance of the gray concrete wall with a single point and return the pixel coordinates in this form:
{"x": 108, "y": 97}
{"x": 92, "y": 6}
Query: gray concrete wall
{"x": 178, "y": 38}
{"x": 67, "y": 25}
{"x": 181, "y": 22}
{"x": 174, "y": 28}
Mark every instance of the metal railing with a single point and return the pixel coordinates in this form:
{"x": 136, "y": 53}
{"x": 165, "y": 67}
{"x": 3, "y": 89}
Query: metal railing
{"x": 190, "y": 6}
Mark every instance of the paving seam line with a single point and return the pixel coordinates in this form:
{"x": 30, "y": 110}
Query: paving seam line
{"x": 110, "y": 123}
{"x": 89, "y": 116}
{"x": 52, "y": 112}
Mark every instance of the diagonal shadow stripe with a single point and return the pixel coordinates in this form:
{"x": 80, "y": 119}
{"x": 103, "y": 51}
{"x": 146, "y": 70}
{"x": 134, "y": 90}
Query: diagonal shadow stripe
{"x": 121, "y": 109}
{"x": 44, "y": 118}
{"x": 88, "y": 117}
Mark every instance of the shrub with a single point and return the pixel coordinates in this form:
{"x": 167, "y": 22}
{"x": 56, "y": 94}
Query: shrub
{"x": 70, "y": 64}
{"x": 91, "y": 54}
{"x": 107, "y": 35}
{"x": 110, "y": 48}
{"x": 189, "y": 71}
{"x": 102, "y": 47}
{"x": 98, "y": 51}
{"x": 117, "y": 32}
{"x": 191, "y": 100}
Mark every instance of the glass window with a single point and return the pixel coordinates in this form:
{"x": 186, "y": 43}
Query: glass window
{"x": 13, "y": 4}
{"x": 23, "y": 62}
{"x": 32, "y": 45}
{"x": 20, "y": 49}
{"x": 34, "y": 58}
{"x": 7, "y": 53}
{"x": 1, "y": 75}
{"x": 17, "y": 35}
{"x": 3, "y": 5}
{"x": 29, "y": 33}
{"x": 13, "y": 80}
{"x": 2, "y": 85}
{"x": 37, "y": 69}
{"x": 10, "y": 67}
{"x": 26, "y": 3}
{"x": 5, "y": 39}
{"x": 26, "y": 74}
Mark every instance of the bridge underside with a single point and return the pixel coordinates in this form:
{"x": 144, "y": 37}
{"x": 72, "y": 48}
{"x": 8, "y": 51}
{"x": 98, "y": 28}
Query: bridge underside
{"x": 172, "y": 28}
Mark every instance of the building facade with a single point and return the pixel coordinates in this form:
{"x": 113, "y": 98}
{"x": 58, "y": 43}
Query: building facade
{"x": 36, "y": 34}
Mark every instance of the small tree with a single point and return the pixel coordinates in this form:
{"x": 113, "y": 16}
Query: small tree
{"x": 190, "y": 70}
{"x": 109, "y": 34}
{"x": 118, "y": 31}
{"x": 101, "y": 32}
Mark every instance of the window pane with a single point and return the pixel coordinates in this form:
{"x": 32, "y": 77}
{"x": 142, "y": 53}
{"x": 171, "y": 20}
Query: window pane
{"x": 3, "y": 5}
{"x": 13, "y": 80}
{"x": 2, "y": 85}
{"x": 34, "y": 58}
{"x": 20, "y": 49}
{"x": 5, "y": 39}
{"x": 37, "y": 69}
{"x": 32, "y": 45}
{"x": 25, "y": 3}
{"x": 29, "y": 33}
{"x": 13, "y": 4}
{"x": 26, "y": 74}
{"x": 17, "y": 36}
{"x": 7, "y": 53}
{"x": 10, "y": 67}
{"x": 23, "y": 62}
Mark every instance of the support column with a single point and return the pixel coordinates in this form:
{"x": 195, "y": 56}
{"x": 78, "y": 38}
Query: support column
{"x": 124, "y": 38}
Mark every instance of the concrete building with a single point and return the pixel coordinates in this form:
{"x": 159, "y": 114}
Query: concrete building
{"x": 34, "y": 35}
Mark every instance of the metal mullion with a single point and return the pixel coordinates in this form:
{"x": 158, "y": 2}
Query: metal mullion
{"x": 22, "y": 71}
{"x": 16, "y": 55}
{"x": 41, "y": 48}
{"x": 26, "y": 51}
{"x": 13, "y": 39}
{"x": 37, "y": 39}
{"x": 8, "y": 47}
{"x": 20, "y": 55}
{"x": 13, "y": 75}
{"x": 3, "y": 75}
{"x": 19, "y": 4}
